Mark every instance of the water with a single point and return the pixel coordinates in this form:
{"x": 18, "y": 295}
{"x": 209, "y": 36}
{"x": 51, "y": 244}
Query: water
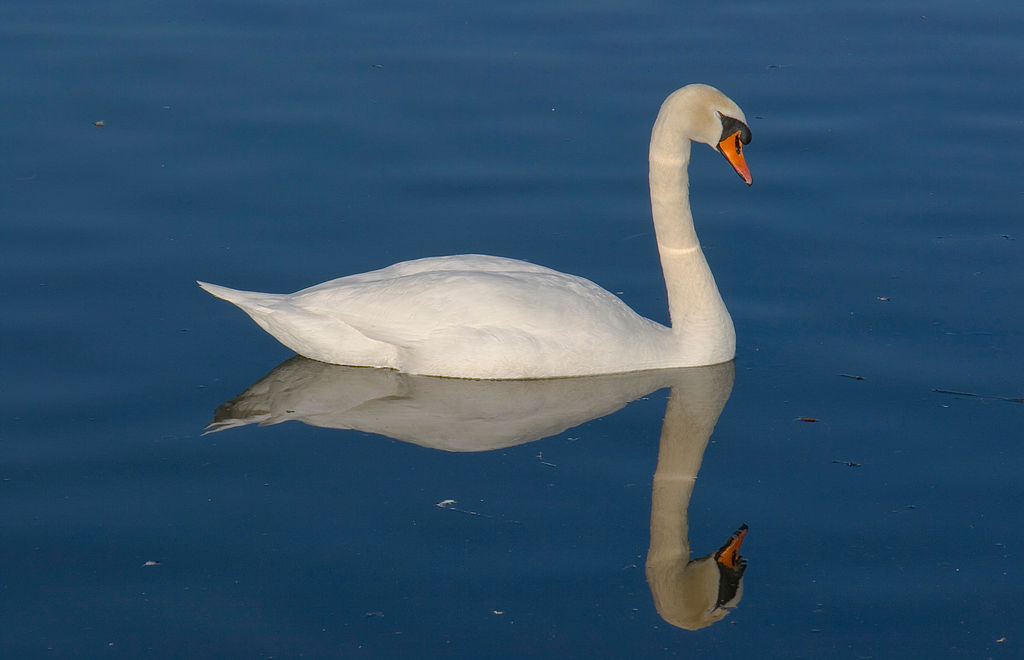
{"x": 273, "y": 145}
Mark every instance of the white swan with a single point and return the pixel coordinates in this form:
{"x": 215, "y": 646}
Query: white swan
{"x": 475, "y": 316}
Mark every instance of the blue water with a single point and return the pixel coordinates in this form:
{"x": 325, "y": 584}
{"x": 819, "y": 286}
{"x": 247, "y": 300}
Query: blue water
{"x": 271, "y": 145}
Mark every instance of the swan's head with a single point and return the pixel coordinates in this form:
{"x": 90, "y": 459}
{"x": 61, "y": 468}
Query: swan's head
{"x": 704, "y": 114}
{"x": 703, "y": 591}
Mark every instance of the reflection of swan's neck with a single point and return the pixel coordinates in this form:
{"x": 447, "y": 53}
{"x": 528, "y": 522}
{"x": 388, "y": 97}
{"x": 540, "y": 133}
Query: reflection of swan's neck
{"x": 684, "y": 437}
{"x": 699, "y": 317}
{"x": 686, "y": 593}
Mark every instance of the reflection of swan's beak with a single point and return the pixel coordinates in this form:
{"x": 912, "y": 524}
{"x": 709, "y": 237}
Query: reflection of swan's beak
{"x": 729, "y": 554}
{"x": 730, "y": 570}
{"x": 732, "y": 149}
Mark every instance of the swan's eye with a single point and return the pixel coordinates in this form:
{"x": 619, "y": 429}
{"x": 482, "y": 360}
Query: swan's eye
{"x": 731, "y": 125}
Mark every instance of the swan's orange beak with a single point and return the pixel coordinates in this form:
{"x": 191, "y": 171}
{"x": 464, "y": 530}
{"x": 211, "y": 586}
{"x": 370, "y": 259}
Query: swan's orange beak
{"x": 732, "y": 149}
{"x": 729, "y": 555}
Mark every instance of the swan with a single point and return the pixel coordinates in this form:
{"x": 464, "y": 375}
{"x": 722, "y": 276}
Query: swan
{"x": 485, "y": 317}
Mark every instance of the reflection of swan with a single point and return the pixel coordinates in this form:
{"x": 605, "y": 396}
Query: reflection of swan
{"x": 473, "y": 316}
{"x": 474, "y": 415}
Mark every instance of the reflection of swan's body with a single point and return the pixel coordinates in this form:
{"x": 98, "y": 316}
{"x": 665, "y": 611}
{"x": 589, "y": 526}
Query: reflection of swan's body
{"x": 474, "y": 316}
{"x": 478, "y": 415}
{"x": 452, "y": 414}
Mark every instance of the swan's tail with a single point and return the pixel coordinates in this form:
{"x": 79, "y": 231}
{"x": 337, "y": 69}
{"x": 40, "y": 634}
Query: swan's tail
{"x": 248, "y": 301}
{"x": 311, "y": 333}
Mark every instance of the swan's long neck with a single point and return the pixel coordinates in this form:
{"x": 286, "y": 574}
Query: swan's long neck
{"x": 699, "y": 318}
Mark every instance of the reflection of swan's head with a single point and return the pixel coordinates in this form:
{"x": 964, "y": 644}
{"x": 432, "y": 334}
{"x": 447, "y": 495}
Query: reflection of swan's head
{"x": 702, "y": 591}
{"x": 706, "y": 115}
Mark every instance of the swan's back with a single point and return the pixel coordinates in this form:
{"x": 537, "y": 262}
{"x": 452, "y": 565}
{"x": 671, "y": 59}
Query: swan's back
{"x": 460, "y": 262}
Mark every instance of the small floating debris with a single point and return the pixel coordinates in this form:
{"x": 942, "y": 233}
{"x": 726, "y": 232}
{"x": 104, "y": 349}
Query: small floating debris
{"x": 1013, "y": 399}
{"x": 99, "y": 123}
{"x": 807, "y": 419}
{"x": 954, "y": 392}
{"x": 151, "y": 562}
{"x": 847, "y": 463}
{"x": 852, "y": 376}
{"x": 450, "y": 506}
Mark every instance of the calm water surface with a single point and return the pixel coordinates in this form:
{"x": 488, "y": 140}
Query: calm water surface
{"x": 874, "y": 272}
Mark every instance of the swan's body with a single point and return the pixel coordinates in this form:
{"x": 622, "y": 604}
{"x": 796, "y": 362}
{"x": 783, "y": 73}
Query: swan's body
{"x": 475, "y": 316}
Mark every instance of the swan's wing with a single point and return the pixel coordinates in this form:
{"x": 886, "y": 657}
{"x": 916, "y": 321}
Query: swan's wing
{"x": 505, "y": 319}
{"x": 409, "y": 303}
